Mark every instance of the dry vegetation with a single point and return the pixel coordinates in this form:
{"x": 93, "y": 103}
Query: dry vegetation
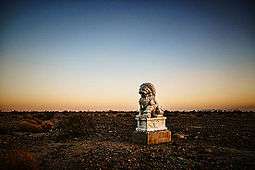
{"x": 101, "y": 140}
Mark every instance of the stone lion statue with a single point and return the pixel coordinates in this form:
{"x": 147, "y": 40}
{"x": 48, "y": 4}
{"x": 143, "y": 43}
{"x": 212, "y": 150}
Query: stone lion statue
{"x": 148, "y": 105}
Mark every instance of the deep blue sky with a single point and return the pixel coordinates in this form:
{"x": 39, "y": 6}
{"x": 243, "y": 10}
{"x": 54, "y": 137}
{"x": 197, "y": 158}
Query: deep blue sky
{"x": 199, "y": 54}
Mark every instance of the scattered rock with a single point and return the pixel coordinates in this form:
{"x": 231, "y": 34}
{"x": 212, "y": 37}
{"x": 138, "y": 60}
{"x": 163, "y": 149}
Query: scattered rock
{"x": 21, "y": 159}
{"x": 180, "y": 135}
{"x": 30, "y": 126}
{"x": 35, "y": 125}
{"x": 208, "y": 150}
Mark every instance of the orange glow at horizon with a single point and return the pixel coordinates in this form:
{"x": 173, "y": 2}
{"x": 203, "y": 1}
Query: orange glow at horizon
{"x": 184, "y": 91}
{"x": 170, "y": 97}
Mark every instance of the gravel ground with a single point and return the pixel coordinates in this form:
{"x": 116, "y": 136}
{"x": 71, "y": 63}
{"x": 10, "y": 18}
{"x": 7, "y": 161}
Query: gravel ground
{"x": 101, "y": 140}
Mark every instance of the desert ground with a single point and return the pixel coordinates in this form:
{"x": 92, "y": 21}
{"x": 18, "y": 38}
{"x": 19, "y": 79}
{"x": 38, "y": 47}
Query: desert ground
{"x": 102, "y": 140}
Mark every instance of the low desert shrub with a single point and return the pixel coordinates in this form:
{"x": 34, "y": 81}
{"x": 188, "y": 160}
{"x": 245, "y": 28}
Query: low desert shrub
{"x": 77, "y": 125}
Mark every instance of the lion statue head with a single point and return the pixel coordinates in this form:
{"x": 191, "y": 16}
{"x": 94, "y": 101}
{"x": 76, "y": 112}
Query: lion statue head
{"x": 147, "y": 89}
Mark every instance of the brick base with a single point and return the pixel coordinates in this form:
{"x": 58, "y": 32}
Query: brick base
{"x": 154, "y": 137}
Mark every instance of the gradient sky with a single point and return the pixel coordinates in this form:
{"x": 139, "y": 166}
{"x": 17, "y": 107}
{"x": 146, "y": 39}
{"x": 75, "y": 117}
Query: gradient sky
{"x": 93, "y": 55}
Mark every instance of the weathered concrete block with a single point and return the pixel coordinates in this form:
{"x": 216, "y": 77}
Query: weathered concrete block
{"x": 151, "y": 137}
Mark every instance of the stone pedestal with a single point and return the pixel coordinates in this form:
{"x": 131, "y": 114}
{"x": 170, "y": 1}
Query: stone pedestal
{"x": 151, "y": 130}
{"x": 151, "y": 124}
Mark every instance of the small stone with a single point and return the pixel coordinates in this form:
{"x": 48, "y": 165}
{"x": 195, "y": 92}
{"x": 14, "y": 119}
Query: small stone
{"x": 180, "y": 135}
{"x": 208, "y": 150}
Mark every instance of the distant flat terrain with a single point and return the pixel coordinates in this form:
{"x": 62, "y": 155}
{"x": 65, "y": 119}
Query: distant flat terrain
{"x": 102, "y": 140}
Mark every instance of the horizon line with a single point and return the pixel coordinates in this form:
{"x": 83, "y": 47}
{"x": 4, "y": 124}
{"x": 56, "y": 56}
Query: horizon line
{"x": 103, "y": 111}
